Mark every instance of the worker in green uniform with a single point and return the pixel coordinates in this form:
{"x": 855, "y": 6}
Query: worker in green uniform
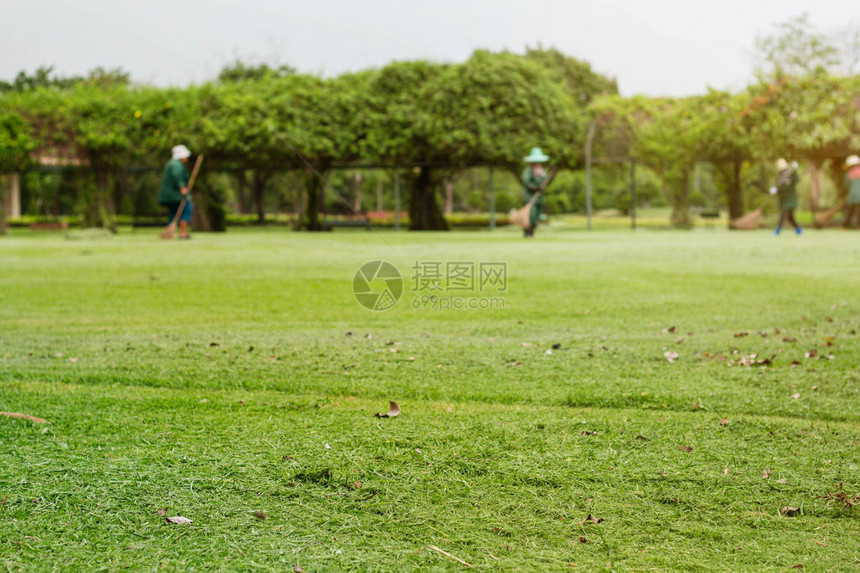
{"x": 852, "y": 183}
{"x": 174, "y": 186}
{"x": 786, "y": 188}
{"x": 535, "y": 179}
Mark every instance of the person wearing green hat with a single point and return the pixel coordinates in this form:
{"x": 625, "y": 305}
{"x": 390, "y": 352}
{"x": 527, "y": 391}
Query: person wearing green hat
{"x": 852, "y": 183}
{"x": 786, "y": 188}
{"x": 535, "y": 179}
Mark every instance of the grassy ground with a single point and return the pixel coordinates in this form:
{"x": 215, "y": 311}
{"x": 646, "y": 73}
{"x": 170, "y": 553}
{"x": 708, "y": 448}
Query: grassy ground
{"x": 236, "y": 373}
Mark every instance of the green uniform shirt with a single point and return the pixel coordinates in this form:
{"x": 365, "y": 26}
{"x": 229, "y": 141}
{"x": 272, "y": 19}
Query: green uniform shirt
{"x": 174, "y": 179}
{"x": 786, "y": 185}
{"x": 853, "y": 186}
{"x": 531, "y": 184}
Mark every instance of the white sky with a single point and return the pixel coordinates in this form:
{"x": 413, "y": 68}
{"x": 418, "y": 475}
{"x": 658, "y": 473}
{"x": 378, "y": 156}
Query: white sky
{"x": 655, "y": 47}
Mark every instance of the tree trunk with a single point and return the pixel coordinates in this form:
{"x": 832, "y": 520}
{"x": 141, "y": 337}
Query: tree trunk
{"x": 5, "y": 196}
{"x": 102, "y": 212}
{"x": 815, "y": 185}
{"x": 259, "y": 190}
{"x": 680, "y": 195}
{"x": 424, "y": 212}
{"x": 379, "y": 193}
{"x": 734, "y": 197}
{"x": 315, "y": 197}
{"x": 241, "y": 191}
{"x": 356, "y": 183}
{"x": 448, "y": 185}
{"x": 199, "y": 218}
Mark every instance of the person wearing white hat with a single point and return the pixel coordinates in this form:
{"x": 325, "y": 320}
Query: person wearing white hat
{"x": 786, "y": 188}
{"x": 852, "y": 184}
{"x": 174, "y": 186}
{"x": 535, "y": 179}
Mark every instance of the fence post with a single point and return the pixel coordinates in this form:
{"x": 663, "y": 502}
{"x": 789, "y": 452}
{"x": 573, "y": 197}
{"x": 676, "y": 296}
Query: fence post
{"x": 633, "y": 193}
{"x": 396, "y": 200}
{"x": 588, "y": 139}
{"x": 492, "y": 201}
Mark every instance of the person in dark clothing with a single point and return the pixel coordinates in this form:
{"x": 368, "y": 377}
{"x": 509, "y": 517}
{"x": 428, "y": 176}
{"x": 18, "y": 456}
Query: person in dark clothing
{"x": 786, "y": 188}
{"x": 174, "y": 186}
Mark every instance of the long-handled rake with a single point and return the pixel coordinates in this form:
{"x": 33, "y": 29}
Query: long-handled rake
{"x": 169, "y": 231}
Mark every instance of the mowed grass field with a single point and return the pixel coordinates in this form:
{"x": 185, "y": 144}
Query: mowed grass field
{"x": 236, "y": 373}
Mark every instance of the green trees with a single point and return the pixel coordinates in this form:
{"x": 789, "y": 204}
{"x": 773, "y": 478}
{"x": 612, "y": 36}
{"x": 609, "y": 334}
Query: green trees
{"x": 489, "y": 110}
{"x": 433, "y": 121}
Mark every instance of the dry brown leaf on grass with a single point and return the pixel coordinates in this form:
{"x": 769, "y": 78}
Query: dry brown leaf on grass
{"x": 24, "y": 417}
{"x": 260, "y": 515}
{"x": 591, "y": 519}
{"x": 162, "y": 512}
{"x": 766, "y": 473}
{"x": 686, "y": 448}
{"x": 393, "y": 410}
{"x": 298, "y": 568}
{"x": 724, "y": 422}
{"x": 789, "y": 511}
{"x": 178, "y": 520}
{"x": 671, "y": 355}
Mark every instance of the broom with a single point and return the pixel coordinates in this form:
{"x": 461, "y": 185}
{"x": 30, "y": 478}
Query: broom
{"x": 521, "y": 216}
{"x": 170, "y": 230}
{"x": 823, "y": 218}
{"x": 750, "y": 220}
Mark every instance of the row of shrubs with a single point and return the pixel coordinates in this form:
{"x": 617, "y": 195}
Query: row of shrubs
{"x": 377, "y": 219}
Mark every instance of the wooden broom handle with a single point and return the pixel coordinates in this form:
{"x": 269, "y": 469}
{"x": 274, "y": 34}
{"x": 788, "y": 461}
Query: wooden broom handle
{"x": 190, "y": 185}
{"x": 194, "y": 172}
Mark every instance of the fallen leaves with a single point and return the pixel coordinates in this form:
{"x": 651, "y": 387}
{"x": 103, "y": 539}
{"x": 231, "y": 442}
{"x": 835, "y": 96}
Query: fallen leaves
{"x": 839, "y": 496}
{"x": 686, "y": 448}
{"x": 260, "y": 515}
{"x": 591, "y": 519}
{"x": 178, "y": 520}
{"x": 671, "y": 355}
{"x": 789, "y": 511}
{"x": 766, "y": 473}
{"x": 24, "y": 417}
{"x": 393, "y": 411}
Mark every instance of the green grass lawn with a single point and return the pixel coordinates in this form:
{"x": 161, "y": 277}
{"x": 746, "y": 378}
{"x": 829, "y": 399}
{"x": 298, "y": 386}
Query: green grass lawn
{"x": 236, "y": 373}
